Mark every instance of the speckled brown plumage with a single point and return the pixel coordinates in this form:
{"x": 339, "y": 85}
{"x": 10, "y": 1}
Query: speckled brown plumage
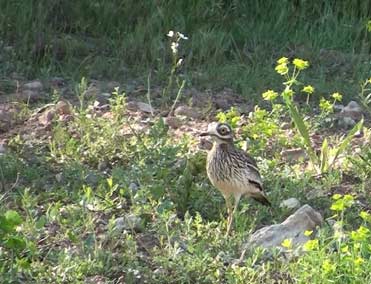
{"x": 232, "y": 171}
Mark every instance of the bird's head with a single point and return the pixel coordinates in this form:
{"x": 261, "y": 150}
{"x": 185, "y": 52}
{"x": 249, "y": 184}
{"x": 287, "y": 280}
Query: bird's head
{"x": 220, "y": 132}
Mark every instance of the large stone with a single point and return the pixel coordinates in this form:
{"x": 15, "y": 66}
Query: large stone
{"x": 30, "y": 95}
{"x": 139, "y": 106}
{"x": 293, "y": 155}
{"x": 293, "y": 228}
{"x": 33, "y": 85}
{"x": 352, "y": 110}
{"x": 127, "y": 222}
{"x": 187, "y": 112}
{"x": 5, "y": 120}
{"x": 173, "y": 122}
{"x": 46, "y": 117}
{"x": 63, "y": 108}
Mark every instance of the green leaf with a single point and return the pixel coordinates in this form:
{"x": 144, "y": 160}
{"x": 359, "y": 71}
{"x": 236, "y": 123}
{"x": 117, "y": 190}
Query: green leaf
{"x": 15, "y": 243}
{"x": 303, "y": 131}
{"x": 324, "y": 159}
{"x": 346, "y": 141}
{"x": 5, "y": 226}
{"x": 13, "y": 217}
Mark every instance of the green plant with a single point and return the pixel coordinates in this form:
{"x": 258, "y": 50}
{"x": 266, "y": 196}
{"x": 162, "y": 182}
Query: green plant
{"x": 176, "y": 63}
{"x": 324, "y": 161}
{"x": 365, "y": 95}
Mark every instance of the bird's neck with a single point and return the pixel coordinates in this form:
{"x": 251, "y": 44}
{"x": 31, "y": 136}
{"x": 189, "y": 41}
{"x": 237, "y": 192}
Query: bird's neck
{"x": 224, "y": 146}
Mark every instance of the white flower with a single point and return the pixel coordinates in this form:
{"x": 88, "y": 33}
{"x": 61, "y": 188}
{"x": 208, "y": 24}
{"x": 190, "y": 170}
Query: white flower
{"x": 182, "y": 36}
{"x": 170, "y": 34}
{"x": 174, "y": 47}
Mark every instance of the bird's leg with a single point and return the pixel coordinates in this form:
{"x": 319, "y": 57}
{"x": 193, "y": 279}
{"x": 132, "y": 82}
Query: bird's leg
{"x": 228, "y": 202}
{"x": 231, "y": 212}
{"x": 235, "y": 206}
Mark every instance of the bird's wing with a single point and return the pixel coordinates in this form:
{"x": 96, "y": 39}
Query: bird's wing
{"x": 253, "y": 177}
{"x": 248, "y": 162}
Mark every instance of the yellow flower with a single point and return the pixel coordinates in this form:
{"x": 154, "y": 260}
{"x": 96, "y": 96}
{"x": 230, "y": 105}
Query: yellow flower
{"x": 282, "y": 69}
{"x": 308, "y": 233}
{"x": 365, "y": 216}
{"x": 283, "y": 60}
{"x": 345, "y": 249}
{"x": 311, "y": 245}
{"x": 325, "y": 105}
{"x": 300, "y": 64}
{"x": 328, "y": 267}
{"x": 337, "y": 96}
{"x": 361, "y": 234}
{"x": 287, "y": 243}
{"x": 308, "y": 89}
{"x": 270, "y": 95}
{"x": 358, "y": 261}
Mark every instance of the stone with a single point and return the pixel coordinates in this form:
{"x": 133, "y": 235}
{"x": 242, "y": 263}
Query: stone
{"x": 92, "y": 179}
{"x": 127, "y": 222}
{"x": 46, "y": 117}
{"x": 187, "y": 112}
{"x": 103, "y": 166}
{"x": 103, "y": 98}
{"x": 338, "y": 107}
{"x": 145, "y": 107}
{"x": 346, "y": 122}
{"x": 3, "y": 147}
{"x": 291, "y": 203}
{"x": 293, "y": 154}
{"x": 352, "y": 110}
{"x": 57, "y": 82}
{"x": 133, "y": 187}
{"x": 293, "y": 228}
{"x": 33, "y": 85}
{"x": 173, "y": 122}
{"x": 59, "y": 177}
{"x": 5, "y": 120}
{"x": 112, "y": 85}
{"x": 139, "y": 106}
{"x": 30, "y": 95}
{"x": 315, "y": 193}
{"x": 62, "y": 108}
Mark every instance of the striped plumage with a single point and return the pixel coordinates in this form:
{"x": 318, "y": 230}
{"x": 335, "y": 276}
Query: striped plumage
{"x": 231, "y": 170}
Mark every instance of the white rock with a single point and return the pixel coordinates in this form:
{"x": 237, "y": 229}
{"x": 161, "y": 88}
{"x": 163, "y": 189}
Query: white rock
{"x": 128, "y": 222}
{"x": 187, "y": 111}
{"x": 145, "y": 107}
{"x": 293, "y": 228}
{"x": 33, "y": 85}
{"x": 63, "y": 108}
{"x": 291, "y": 203}
{"x": 139, "y": 106}
{"x": 346, "y": 122}
{"x": 353, "y": 110}
{"x": 293, "y": 154}
{"x": 2, "y": 148}
{"x": 46, "y": 117}
{"x": 173, "y": 122}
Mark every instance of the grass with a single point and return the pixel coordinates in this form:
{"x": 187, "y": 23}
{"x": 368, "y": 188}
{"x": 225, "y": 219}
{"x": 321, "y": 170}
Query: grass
{"x": 105, "y": 201}
{"x": 61, "y": 203}
{"x": 231, "y": 44}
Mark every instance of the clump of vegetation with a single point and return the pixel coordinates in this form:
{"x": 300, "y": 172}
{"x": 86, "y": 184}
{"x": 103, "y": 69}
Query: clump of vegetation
{"x": 114, "y": 198}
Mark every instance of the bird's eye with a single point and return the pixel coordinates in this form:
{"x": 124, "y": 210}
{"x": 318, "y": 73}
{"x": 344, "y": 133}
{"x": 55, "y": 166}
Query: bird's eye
{"x": 223, "y": 130}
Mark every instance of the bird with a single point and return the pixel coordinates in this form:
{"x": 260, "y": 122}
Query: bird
{"x": 231, "y": 170}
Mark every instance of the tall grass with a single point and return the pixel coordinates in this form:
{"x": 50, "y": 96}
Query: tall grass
{"x": 115, "y": 38}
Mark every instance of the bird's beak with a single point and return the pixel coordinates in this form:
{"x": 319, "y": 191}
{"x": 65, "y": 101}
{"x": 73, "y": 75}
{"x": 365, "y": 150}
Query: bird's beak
{"x": 204, "y": 134}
